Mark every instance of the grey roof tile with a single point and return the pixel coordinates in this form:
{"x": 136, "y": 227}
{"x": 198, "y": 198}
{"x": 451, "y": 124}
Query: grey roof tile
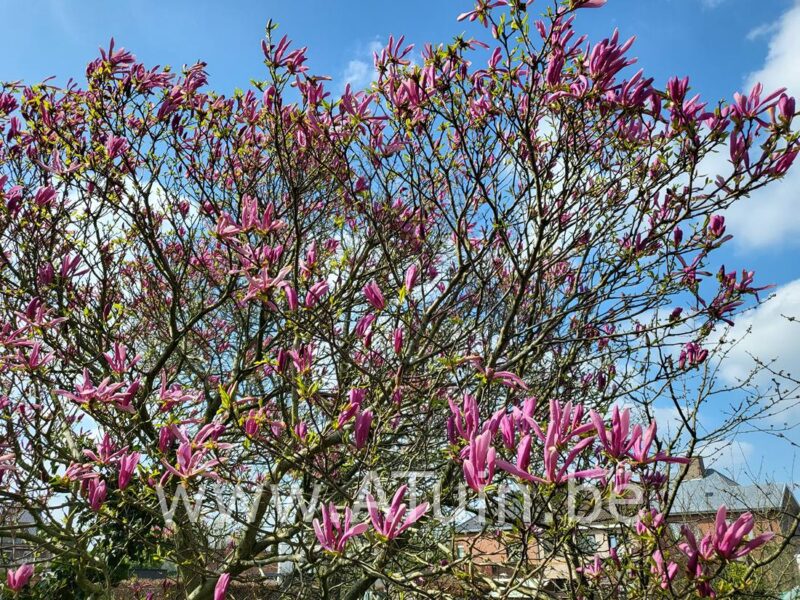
{"x": 709, "y": 493}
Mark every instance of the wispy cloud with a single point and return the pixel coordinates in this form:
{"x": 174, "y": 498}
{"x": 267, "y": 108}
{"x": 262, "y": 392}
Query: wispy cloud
{"x": 780, "y": 67}
{"x": 728, "y": 456}
{"x": 763, "y": 30}
{"x": 770, "y": 217}
{"x": 360, "y": 70}
{"x": 767, "y": 334}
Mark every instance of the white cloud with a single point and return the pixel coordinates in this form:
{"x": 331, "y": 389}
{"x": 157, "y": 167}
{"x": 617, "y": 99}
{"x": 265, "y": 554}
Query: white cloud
{"x": 360, "y": 71}
{"x": 357, "y": 73}
{"x": 765, "y": 333}
{"x": 669, "y": 421}
{"x": 770, "y": 216}
{"x": 771, "y": 338}
{"x": 728, "y": 456}
{"x": 780, "y": 68}
{"x": 763, "y": 30}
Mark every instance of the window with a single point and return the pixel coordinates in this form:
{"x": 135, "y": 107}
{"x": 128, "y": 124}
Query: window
{"x": 612, "y": 541}
{"x": 587, "y": 542}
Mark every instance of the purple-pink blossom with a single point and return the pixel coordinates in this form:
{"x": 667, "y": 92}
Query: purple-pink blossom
{"x": 332, "y": 533}
{"x": 374, "y": 295}
{"x": 18, "y": 578}
{"x": 391, "y": 523}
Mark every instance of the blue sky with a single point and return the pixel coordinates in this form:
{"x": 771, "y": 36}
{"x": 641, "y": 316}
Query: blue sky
{"x": 722, "y": 45}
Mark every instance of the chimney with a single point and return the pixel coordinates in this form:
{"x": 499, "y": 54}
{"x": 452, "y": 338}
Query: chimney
{"x": 696, "y": 469}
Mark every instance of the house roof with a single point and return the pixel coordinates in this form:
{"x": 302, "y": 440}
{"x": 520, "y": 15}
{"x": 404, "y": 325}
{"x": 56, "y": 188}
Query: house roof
{"x": 475, "y": 524}
{"x": 707, "y": 494}
{"x": 12, "y": 515}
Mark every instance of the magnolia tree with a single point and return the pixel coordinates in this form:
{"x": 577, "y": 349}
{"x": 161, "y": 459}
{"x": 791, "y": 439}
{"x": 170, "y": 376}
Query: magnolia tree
{"x": 297, "y": 331}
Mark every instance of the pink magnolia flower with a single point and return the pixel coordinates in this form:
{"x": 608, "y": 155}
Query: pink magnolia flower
{"x": 726, "y": 542}
{"x": 389, "y": 525}
{"x": 105, "y": 393}
{"x": 262, "y": 284}
{"x": 356, "y": 397}
{"x": 692, "y": 355}
{"x": 226, "y": 227}
{"x": 523, "y": 417}
{"x": 252, "y": 423}
{"x": 79, "y": 472}
{"x": 784, "y": 161}
{"x": 16, "y": 579}
{"x": 588, "y": 3}
{"x": 565, "y": 424}
{"x": 251, "y": 221}
{"x": 117, "y": 358}
{"x": 315, "y": 293}
{"x": 69, "y": 267}
{"x": 44, "y": 196}
{"x": 175, "y": 395}
{"x": 508, "y": 431}
{"x": 480, "y": 463}
{"x": 622, "y": 441}
{"x": 115, "y": 146}
{"x": 640, "y": 448}
{"x": 165, "y": 438}
{"x": 727, "y": 539}
{"x": 361, "y": 429}
{"x": 481, "y": 9}
{"x": 36, "y": 359}
{"x": 222, "y": 586}
{"x": 593, "y": 570}
{"x": 716, "y": 226}
{"x": 786, "y": 107}
{"x": 107, "y": 452}
{"x": 332, "y": 533}
{"x": 190, "y": 464}
{"x": 649, "y": 521}
{"x": 619, "y": 439}
{"x": 752, "y": 105}
{"x": 411, "y": 276}
{"x": 397, "y": 340}
{"x": 666, "y": 571}
{"x": 374, "y": 295}
{"x": 95, "y": 492}
{"x": 127, "y": 466}
{"x": 291, "y": 296}
{"x": 364, "y": 326}
{"x": 463, "y": 422}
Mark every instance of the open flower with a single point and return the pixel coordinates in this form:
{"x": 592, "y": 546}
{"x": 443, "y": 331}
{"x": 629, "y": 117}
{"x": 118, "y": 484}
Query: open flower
{"x": 726, "y": 542}
{"x": 727, "y": 539}
{"x": 389, "y": 525}
{"x": 332, "y": 533}
{"x": 191, "y": 463}
{"x": 480, "y": 463}
{"x": 565, "y": 424}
